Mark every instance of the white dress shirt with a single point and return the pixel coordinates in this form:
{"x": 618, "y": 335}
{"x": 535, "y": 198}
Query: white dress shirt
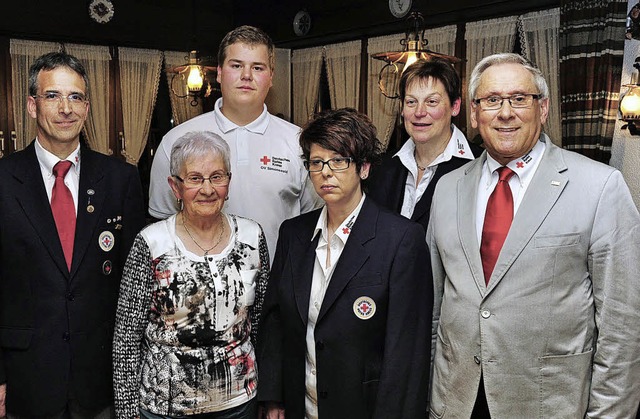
{"x": 457, "y": 146}
{"x": 524, "y": 167}
{"x": 47, "y": 160}
{"x": 322, "y": 273}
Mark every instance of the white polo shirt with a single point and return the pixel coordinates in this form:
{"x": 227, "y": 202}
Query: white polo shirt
{"x": 269, "y": 183}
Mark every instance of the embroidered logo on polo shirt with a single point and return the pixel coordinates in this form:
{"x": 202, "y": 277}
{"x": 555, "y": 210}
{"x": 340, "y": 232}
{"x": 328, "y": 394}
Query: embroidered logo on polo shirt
{"x": 273, "y": 163}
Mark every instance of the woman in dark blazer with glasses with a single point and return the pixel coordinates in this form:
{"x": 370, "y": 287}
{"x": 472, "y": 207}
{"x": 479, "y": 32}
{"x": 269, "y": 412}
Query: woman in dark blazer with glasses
{"x": 347, "y": 314}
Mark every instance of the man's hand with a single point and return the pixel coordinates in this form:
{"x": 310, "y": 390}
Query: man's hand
{"x": 271, "y": 410}
{"x": 3, "y": 394}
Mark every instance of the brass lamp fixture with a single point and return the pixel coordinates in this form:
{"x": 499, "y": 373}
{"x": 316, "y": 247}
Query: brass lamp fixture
{"x": 630, "y": 104}
{"x": 190, "y": 79}
{"x": 414, "y": 48}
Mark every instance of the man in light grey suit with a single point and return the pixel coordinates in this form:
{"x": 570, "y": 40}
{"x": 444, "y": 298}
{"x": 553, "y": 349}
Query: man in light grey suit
{"x": 551, "y": 329}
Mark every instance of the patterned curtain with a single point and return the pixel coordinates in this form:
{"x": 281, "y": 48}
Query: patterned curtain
{"x": 307, "y": 64}
{"x": 592, "y": 37}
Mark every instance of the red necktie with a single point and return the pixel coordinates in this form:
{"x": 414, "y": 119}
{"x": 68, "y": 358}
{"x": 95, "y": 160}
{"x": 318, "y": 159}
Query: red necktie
{"x": 497, "y": 221}
{"x": 63, "y": 209}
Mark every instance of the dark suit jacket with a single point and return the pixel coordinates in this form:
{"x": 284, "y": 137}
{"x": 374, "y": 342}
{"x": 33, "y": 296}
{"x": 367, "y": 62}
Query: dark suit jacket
{"x": 56, "y": 327}
{"x": 387, "y": 183}
{"x": 376, "y": 367}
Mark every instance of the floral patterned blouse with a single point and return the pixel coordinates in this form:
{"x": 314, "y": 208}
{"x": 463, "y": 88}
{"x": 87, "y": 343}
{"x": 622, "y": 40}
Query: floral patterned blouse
{"x": 186, "y": 324}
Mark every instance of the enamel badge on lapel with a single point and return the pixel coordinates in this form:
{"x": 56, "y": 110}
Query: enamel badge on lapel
{"x": 90, "y": 208}
{"x": 364, "y": 308}
{"x": 106, "y": 241}
{"x": 107, "y": 267}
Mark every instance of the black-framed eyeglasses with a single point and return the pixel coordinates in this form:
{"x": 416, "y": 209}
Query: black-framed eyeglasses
{"x": 196, "y": 181}
{"x": 517, "y": 101}
{"x": 57, "y": 97}
{"x": 336, "y": 164}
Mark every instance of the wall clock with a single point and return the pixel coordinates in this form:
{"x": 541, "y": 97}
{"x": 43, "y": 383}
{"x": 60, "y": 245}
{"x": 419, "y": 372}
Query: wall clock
{"x": 302, "y": 23}
{"x": 101, "y": 10}
{"x": 399, "y": 8}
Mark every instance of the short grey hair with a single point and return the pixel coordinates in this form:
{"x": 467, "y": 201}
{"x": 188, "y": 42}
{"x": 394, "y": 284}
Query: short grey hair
{"x": 507, "y": 58}
{"x": 195, "y": 144}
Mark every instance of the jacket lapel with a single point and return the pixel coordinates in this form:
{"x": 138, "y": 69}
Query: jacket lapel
{"x": 32, "y": 197}
{"x": 92, "y": 193}
{"x": 467, "y": 196}
{"x": 302, "y": 256}
{"x": 353, "y": 256}
{"x": 544, "y": 190}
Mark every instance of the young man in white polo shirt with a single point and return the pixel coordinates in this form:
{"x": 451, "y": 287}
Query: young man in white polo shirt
{"x": 269, "y": 182}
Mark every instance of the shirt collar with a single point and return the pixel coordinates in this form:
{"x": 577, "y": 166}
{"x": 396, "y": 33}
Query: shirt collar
{"x": 257, "y": 126}
{"x": 458, "y": 146}
{"x": 47, "y": 159}
{"x": 524, "y": 166}
{"x": 343, "y": 231}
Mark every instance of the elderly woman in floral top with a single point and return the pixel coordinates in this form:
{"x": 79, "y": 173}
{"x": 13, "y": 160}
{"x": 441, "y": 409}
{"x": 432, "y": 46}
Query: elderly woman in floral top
{"x": 190, "y": 299}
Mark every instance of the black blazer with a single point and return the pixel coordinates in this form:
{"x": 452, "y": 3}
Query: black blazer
{"x": 373, "y": 368}
{"x": 387, "y": 182}
{"x": 56, "y": 327}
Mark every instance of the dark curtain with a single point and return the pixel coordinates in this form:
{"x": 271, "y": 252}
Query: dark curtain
{"x": 592, "y": 35}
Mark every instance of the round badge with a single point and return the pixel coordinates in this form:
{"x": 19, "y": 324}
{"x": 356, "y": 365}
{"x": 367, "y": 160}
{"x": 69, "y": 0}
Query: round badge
{"x": 364, "y": 308}
{"x": 107, "y": 267}
{"x": 90, "y": 208}
{"x": 106, "y": 240}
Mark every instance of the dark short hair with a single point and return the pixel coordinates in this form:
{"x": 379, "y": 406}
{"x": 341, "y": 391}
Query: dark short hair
{"x": 436, "y": 69}
{"x": 51, "y": 61}
{"x": 249, "y": 35}
{"x": 346, "y": 131}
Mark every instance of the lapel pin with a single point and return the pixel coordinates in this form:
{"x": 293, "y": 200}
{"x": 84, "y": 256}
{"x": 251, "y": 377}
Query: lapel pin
{"x": 90, "y": 192}
{"x": 90, "y": 208}
{"x": 107, "y": 267}
{"x": 118, "y": 226}
{"x": 364, "y": 308}
{"x": 106, "y": 241}
{"x": 555, "y": 183}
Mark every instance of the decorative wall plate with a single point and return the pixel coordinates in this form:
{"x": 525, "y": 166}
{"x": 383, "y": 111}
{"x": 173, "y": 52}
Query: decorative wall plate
{"x": 399, "y": 8}
{"x": 101, "y": 10}
{"x": 302, "y": 23}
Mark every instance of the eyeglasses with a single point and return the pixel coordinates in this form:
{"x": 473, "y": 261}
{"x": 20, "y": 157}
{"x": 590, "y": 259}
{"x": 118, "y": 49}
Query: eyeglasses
{"x": 518, "y": 101}
{"x": 336, "y": 164}
{"x": 197, "y": 181}
{"x": 52, "y": 98}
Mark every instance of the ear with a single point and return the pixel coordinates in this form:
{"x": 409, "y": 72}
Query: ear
{"x": 218, "y": 71}
{"x": 31, "y": 106}
{"x": 364, "y": 170}
{"x": 174, "y": 187}
{"x": 544, "y": 110}
{"x": 455, "y": 108}
{"x": 474, "y": 108}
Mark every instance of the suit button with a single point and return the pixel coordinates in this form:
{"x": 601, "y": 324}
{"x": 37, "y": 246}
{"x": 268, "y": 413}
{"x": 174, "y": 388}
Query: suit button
{"x": 70, "y": 296}
{"x": 320, "y": 345}
{"x": 485, "y": 314}
{"x": 66, "y": 336}
{"x": 477, "y": 359}
{"x": 323, "y": 394}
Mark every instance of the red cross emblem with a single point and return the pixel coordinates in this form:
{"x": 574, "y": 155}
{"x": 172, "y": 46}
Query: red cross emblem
{"x": 519, "y": 165}
{"x": 265, "y": 160}
{"x": 461, "y": 152}
{"x": 345, "y": 230}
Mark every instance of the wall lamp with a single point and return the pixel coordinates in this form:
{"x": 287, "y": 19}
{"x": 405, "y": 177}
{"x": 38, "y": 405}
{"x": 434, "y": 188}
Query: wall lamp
{"x": 414, "y": 48}
{"x": 190, "y": 79}
{"x": 630, "y": 104}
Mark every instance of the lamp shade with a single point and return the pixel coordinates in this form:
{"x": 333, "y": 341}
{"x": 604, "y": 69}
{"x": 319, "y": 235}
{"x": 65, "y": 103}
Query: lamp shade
{"x": 630, "y": 104}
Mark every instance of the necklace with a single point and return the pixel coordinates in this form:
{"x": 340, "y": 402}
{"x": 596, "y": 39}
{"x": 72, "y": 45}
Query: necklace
{"x": 206, "y": 251}
{"x": 418, "y": 164}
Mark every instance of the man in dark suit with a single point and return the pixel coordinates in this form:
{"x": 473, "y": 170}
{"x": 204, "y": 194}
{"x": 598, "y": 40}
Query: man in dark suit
{"x": 64, "y": 238}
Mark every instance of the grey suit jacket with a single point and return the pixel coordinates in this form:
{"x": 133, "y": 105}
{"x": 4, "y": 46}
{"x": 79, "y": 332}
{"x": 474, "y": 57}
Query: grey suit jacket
{"x": 556, "y": 333}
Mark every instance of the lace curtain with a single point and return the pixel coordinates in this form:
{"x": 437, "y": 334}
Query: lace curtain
{"x": 181, "y": 108}
{"x": 540, "y": 40}
{"x": 343, "y": 73}
{"x": 23, "y": 54}
{"x": 484, "y": 38}
{"x": 306, "y": 82}
{"x": 278, "y": 100}
{"x": 592, "y": 37}
{"x": 95, "y": 60}
{"x": 139, "y": 79}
